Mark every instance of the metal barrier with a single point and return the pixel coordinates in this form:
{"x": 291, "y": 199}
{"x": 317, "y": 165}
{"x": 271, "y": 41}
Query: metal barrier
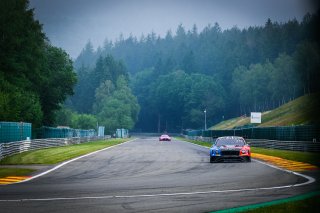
{"x": 283, "y": 133}
{"x": 7, "y": 149}
{"x": 304, "y": 146}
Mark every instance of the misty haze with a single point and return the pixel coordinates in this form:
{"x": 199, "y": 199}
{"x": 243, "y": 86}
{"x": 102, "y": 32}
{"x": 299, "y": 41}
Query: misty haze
{"x": 159, "y": 106}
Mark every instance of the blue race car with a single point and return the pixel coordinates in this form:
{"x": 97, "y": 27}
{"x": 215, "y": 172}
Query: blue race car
{"x": 230, "y": 147}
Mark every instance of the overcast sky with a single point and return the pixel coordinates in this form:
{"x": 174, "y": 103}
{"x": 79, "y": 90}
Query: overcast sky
{"x": 69, "y": 24}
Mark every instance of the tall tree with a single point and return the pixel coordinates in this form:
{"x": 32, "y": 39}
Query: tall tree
{"x": 307, "y": 63}
{"x": 87, "y": 56}
{"x": 57, "y": 82}
{"x": 249, "y": 66}
{"x": 116, "y": 107}
{"x": 106, "y": 68}
{"x": 284, "y": 83}
{"x": 35, "y": 76}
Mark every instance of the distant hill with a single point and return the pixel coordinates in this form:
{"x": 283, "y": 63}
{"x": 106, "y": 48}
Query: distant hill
{"x": 301, "y": 111}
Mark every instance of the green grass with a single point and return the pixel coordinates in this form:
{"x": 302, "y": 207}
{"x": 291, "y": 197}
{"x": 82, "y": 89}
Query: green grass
{"x": 301, "y": 203}
{"x": 231, "y": 123}
{"x": 4, "y": 172}
{"x": 306, "y": 205}
{"x": 305, "y": 157}
{"x": 201, "y": 143}
{"x": 58, "y": 154}
{"x": 301, "y": 111}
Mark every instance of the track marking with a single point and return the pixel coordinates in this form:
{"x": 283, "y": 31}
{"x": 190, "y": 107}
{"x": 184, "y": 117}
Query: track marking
{"x": 309, "y": 181}
{"x": 67, "y": 162}
{"x": 284, "y": 163}
{"x": 280, "y": 162}
{"x": 12, "y": 179}
{"x": 269, "y": 203}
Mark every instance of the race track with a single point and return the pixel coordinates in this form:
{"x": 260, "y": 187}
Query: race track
{"x": 146, "y": 175}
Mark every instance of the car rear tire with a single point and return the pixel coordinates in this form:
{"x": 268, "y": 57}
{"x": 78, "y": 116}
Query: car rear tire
{"x": 248, "y": 159}
{"x": 212, "y": 159}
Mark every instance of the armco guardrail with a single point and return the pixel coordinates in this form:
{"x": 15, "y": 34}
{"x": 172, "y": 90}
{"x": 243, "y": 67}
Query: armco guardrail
{"x": 305, "y": 146}
{"x": 279, "y": 133}
{"x": 7, "y": 149}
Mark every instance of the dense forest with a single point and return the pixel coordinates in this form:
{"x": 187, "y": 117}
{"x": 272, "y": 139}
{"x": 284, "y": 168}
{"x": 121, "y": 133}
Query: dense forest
{"x": 103, "y": 94}
{"x": 228, "y": 72}
{"x": 35, "y": 77}
{"x": 154, "y": 83}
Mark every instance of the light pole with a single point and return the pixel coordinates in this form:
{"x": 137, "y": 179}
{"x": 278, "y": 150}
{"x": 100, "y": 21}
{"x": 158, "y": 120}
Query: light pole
{"x": 205, "y": 119}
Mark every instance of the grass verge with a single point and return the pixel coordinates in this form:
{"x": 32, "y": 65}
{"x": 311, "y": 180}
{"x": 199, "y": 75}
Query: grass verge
{"x": 301, "y": 203}
{"x": 301, "y": 111}
{"x": 306, "y": 205}
{"x": 52, "y": 156}
{"x": 5, "y": 172}
{"x": 201, "y": 143}
{"x": 304, "y": 157}
{"x": 58, "y": 154}
{"x": 311, "y": 204}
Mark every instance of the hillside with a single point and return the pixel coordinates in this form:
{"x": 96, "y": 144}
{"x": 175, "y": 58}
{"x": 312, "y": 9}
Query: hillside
{"x": 301, "y": 111}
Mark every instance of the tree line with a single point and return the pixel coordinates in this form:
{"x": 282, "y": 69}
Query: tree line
{"x": 35, "y": 77}
{"x": 103, "y": 93}
{"x": 228, "y": 72}
{"x": 154, "y": 83}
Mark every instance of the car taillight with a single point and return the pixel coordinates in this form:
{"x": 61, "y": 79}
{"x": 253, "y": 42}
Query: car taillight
{"x": 243, "y": 151}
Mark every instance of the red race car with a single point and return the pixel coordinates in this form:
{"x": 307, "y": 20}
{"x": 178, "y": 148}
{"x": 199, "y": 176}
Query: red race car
{"x": 230, "y": 147}
{"x": 164, "y": 138}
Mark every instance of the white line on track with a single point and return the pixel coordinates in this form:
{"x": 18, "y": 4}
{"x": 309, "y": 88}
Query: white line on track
{"x": 69, "y": 161}
{"x": 151, "y": 195}
{"x": 309, "y": 181}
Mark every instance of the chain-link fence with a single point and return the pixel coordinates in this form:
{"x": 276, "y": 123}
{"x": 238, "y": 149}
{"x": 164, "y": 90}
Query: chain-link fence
{"x": 284, "y": 133}
{"x": 19, "y": 131}
{"x": 52, "y": 132}
{"x": 14, "y": 131}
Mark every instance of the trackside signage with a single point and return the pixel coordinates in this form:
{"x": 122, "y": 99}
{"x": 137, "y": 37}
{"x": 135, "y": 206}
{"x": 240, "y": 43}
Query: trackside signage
{"x": 255, "y": 117}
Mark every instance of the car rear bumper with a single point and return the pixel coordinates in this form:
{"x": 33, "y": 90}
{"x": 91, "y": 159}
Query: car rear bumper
{"x": 230, "y": 158}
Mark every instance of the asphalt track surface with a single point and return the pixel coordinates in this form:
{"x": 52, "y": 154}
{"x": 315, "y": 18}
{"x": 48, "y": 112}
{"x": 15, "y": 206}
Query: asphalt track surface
{"x": 146, "y": 175}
